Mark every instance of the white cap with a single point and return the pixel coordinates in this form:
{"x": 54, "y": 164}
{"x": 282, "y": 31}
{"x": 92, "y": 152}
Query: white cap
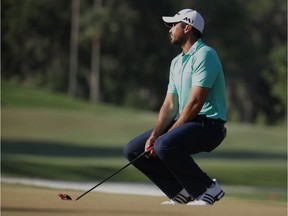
{"x": 189, "y": 16}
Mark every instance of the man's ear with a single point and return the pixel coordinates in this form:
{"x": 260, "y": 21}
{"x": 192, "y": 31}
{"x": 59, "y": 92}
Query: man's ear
{"x": 187, "y": 28}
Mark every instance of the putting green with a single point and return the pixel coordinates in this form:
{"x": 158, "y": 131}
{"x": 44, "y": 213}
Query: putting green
{"x": 30, "y": 201}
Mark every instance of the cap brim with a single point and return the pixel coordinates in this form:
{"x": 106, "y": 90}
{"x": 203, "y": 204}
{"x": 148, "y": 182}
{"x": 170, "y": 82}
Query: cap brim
{"x": 169, "y": 20}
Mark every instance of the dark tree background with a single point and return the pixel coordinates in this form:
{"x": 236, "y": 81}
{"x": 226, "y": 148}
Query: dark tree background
{"x": 135, "y": 53}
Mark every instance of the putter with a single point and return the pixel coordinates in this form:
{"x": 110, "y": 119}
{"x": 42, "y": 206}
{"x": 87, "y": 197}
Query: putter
{"x": 67, "y": 197}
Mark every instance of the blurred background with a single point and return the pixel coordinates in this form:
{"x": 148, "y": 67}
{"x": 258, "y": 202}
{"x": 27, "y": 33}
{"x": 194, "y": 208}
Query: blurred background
{"x": 80, "y": 78}
{"x": 117, "y": 42}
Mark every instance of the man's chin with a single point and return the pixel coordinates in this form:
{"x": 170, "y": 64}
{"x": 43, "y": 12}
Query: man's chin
{"x": 177, "y": 43}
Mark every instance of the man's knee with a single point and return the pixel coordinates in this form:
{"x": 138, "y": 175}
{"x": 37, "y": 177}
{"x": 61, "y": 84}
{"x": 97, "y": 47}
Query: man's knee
{"x": 136, "y": 146}
{"x": 127, "y": 151}
{"x": 163, "y": 147}
{"x": 133, "y": 149}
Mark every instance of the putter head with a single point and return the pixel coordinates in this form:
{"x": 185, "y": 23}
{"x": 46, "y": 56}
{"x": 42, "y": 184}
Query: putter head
{"x": 64, "y": 196}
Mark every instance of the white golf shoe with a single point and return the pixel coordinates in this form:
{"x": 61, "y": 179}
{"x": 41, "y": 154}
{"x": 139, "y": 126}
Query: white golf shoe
{"x": 181, "y": 198}
{"x": 211, "y": 195}
{"x": 170, "y": 202}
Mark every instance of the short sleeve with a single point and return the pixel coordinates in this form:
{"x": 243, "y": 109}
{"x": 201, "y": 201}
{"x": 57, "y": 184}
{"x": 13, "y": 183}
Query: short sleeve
{"x": 205, "y": 69}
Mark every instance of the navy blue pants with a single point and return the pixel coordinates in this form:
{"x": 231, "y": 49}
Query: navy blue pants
{"x": 173, "y": 167}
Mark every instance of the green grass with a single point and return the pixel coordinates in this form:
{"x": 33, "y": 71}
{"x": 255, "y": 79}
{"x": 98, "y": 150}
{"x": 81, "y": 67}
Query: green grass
{"x": 52, "y": 136}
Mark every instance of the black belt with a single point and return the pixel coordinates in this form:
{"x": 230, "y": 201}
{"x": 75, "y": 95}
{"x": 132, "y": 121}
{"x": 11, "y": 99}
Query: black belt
{"x": 204, "y": 118}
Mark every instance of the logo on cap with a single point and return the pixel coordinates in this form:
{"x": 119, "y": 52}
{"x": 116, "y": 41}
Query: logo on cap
{"x": 187, "y": 19}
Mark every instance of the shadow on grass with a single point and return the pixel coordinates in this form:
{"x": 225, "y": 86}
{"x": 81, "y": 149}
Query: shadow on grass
{"x": 41, "y": 148}
{"x": 17, "y": 161}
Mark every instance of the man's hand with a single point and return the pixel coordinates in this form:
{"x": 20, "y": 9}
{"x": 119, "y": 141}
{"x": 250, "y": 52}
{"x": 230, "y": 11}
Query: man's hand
{"x": 149, "y": 147}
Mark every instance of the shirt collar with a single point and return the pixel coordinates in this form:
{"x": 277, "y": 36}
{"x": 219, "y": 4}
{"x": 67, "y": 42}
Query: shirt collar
{"x": 193, "y": 47}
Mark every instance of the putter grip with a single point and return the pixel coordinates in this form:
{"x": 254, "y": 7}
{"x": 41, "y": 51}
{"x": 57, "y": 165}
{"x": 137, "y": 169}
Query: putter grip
{"x": 149, "y": 149}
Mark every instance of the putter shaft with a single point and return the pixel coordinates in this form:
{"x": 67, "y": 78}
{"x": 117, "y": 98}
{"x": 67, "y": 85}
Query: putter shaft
{"x": 131, "y": 162}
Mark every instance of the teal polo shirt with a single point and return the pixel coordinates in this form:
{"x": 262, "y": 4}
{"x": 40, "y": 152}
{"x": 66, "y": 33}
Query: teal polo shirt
{"x": 200, "y": 66}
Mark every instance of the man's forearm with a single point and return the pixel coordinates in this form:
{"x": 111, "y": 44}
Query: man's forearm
{"x": 166, "y": 116}
{"x": 193, "y": 107}
{"x": 164, "y": 122}
{"x": 189, "y": 112}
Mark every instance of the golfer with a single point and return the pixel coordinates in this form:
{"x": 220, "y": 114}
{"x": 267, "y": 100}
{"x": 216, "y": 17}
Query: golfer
{"x": 191, "y": 119}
